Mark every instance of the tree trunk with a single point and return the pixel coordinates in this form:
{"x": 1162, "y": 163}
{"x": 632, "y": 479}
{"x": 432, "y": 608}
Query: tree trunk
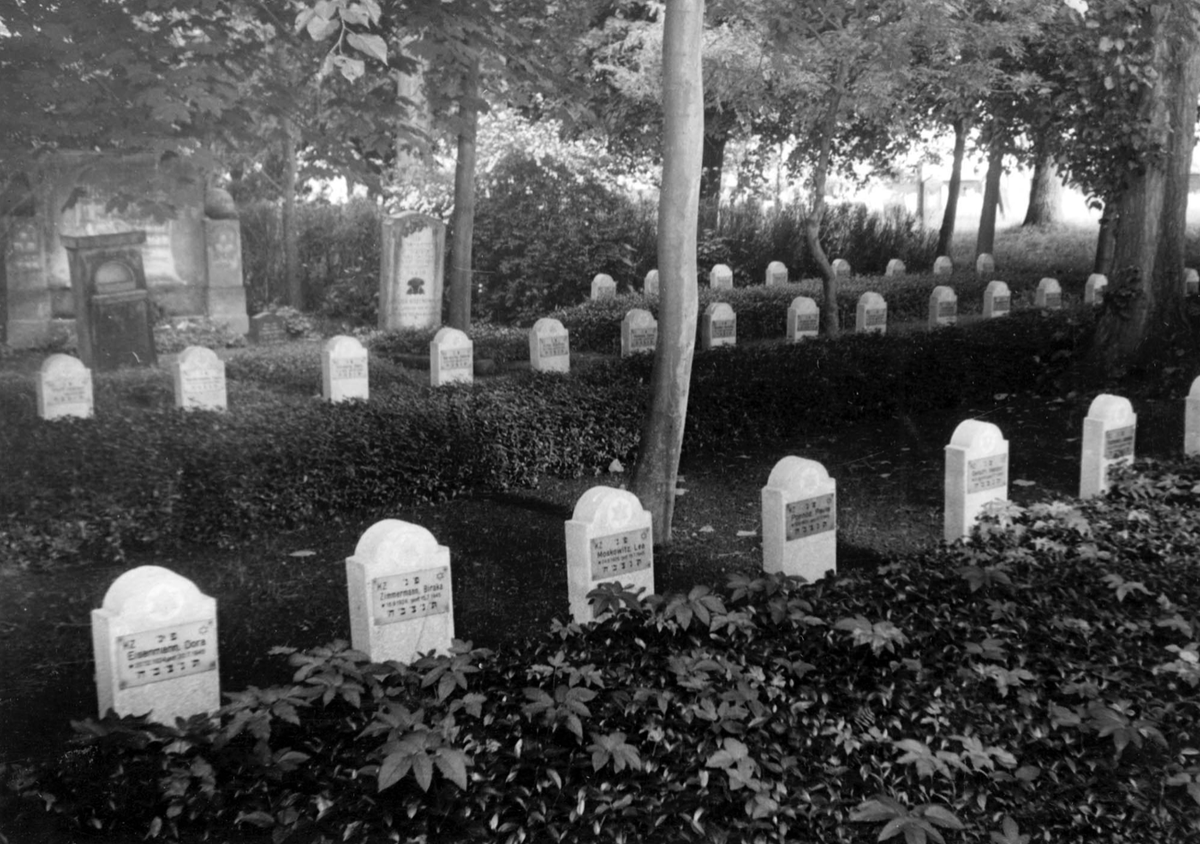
{"x": 985, "y": 241}
{"x": 716, "y": 138}
{"x": 657, "y": 469}
{"x": 293, "y": 282}
{"x": 946, "y": 234}
{"x": 830, "y": 322}
{"x": 1045, "y": 193}
{"x": 1106, "y": 239}
{"x": 463, "y": 219}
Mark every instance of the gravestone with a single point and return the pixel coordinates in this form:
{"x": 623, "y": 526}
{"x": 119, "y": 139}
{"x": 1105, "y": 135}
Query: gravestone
{"x": 841, "y": 268}
{"x": 199, "y": 380}
{"x": 639, "y": 332}
{"x": 650, "y": 285}
{"x": 777, "y": 273}
{"x": 985, "y": 264}
{"x": 64, "y": 388}
{"x": 1049, "y": 294}
{"x": 411, "y": 272}
{"x": 718, "y": 326}
{"x": 267, "y": 329}
{"x": 997, "y": 300}
{"x": 112, "y": 305}
{"x": 609, "y": 538}
{"x": 400, "y": 593}
{"x": 603, "y": 286}
{"x": 870, "y": 317}
{"x": 549, "y": 346}
{"x": 803, "y": 319}
{"x": 720, "y": 278}
{"x": 976, "y": 474}
{"x": 1109, "y": 431}
{"x": 1093, "y": 290}
{"x": 155, "y": 644}
{"x": 223, "y": 268}
{"x": 344, "y": 370}
{"x": 942, "y": 265}
{"x": 1191, "y": 420}
{"x": 1191, "y": 282}
{"x": 943, "y": 306}
{"x": 451, "y": 358}
{"x": 895, "y": 267}
{"x": 799, "y": 520}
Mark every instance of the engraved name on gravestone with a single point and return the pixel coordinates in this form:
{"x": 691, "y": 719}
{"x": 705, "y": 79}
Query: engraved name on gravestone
{"x": 64, "y": 388}
{"x": 199, "y": 380}
{"x": 810, "y": 516}
{"x": 344, "y": 374}
{"x": 267, "y": 328}
{"x": 799, "y": 520}
{"x": 411, "y": 272}
{"x": 777, "y": 273}
{"x": 803, "y": 319}
{"x": 1109, "y": 431}
{"x": 451, "y": 358}
{"x": 997, "y": 300}
{"x": 609, "y": 537}
{"x": 976, "y": 474}
{"x": 549, "y": 346}
{"x": 639, "y": 332}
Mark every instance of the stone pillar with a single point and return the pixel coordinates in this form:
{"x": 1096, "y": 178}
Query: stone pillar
{"x": 225, "y": 299}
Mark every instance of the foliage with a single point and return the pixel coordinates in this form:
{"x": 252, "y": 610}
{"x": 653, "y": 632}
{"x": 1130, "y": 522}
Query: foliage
{"x": 175, "y": 335}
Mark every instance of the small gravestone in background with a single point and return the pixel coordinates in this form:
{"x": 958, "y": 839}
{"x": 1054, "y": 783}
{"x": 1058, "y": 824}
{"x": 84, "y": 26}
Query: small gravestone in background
{"x": 451, "y": 358}
{"x": 841, "y": 268}
{"x": 267, "y": 329}
{"x": 411, "y": 272}
{"x": 344, "y": 370}
{"x": 603, "y": 286}
{"x": 549, "y": 346}
{"x": 985, "y": 264}
{"x": 799, "y": 520}
{"x": 639, "y": 332}
{"x": 942, "y": 265}
{"x": 609, "y": 538}
{"x": 720, "y": 278}
{"x": 895, "y": 267}
{"x": 1109, "y": 431}
{"x": 199, "y": 380}
{"x": 64, "y": 388}
{"x": 400, "y": 595}
{"x": 803, "y": 320}
{"x": 1049, "y": 294}
{"x": 1191, "y": 420}
{"x": 155, "y": 645}
{"x": 997, "y": 300}
{"x": 943, "y": 306}
{"x": 1093, "y": 290}
{"x": 718, "y": 326}
{"x": 870, "y": 316}
{"x": 1191, "y": 282}
{"x": 777, "y": 273}
{"x": 976, "y": 474}
{"x": 650, "y": 285}
{"x": 223, "y": 262}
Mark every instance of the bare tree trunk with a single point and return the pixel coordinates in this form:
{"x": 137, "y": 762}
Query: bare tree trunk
{"x": 657, "y": 469}
{"x": 1045, "y": 193}
{"x": 816, "y": 210}
{"x": 463, "y": 220}
{"x": 293, "y": 282}
{"x": 946, "y": 233}
{"x": 1106, "y": 238}
{"x": 985, "y": 241}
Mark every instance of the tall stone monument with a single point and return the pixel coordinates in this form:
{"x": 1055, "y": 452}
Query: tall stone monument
{"x": 411, "y": 272}
{"x": 226, "y": 293}
{"x": 112, "y": 305}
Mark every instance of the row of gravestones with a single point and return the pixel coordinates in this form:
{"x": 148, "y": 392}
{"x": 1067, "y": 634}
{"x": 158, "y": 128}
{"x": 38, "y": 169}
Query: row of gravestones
{"x": 155, "y": 636}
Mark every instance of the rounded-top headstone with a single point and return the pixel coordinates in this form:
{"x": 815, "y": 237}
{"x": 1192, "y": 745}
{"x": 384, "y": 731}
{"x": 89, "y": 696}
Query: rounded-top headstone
{"x": 798, "y": 474}
{"x": 343, "y": 346}
{"x": 58, "y": 365}
{"x": 895, "y": 267}
{"x": 1114, "y": 409}
{"x": 719, "y": 310}
{"x": 841, "y": 267}
{"x": 977, "y": 436}
{"x": 1194, "y": 392}
{"x": 219, "y": 204}
{"x": 448, "y": 336}
{"x": 198, "y": 357}
{"x": 943, "y": 265}
{"x": 603, "y": 286}
{"x": 720, "y": 276}
{"x": 985, "y": 264}
{"x": 607, "y": 509}
{"x": 871, "y": 300}
{"x": 151, "y": 594}
{"x": 777, "y": 273}
{"x": 392, "y": 540}
{"x": 1048, "y": 294}
{"x": 650, "y": 285}
{"x": 639, "y": 318}
{"x": 548, "y": 325}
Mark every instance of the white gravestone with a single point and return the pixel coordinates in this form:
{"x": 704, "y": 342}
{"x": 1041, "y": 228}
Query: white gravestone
{"x": 803, "y": 319}
{"x": 451, "y": 358}
{"x": 895, "y": 267}
{"x": 942, "y": 265}
{"x": 1049, "y": 294}
{"x": 199, "y": 380}
{"x": 639, "y": 332}
{"x": 841, "y": 268}
{"x": 1191, "y": 282}
{"x": 718, "y": 326}
{"x": 1093, "y": 290}
{"x": 976, "y": 474}
{"x": 997, "y": 300}
{"x": 344, "y": 370}
{"x": 603, "y": 286}
{"x": 1191, "y": 420}
{"x": 400, "y": 594}
{"x": 777, "y": 273}
{"x": 985, "y": 264}
{"x": 943, "y": 306}
{"x": 799, "y": 520}
{"x": 155, "y": 644}
{"x": 870, "y": 317}
{"x": 609, "y": 538}
{"x": 1109, "y": 431}
{"x": 720, "y": 278}
{"x": 411, "y": 270}
{"x": 64, "y": 388}
{"x": 549, "y": 346}
{"x": 650, "y": 285}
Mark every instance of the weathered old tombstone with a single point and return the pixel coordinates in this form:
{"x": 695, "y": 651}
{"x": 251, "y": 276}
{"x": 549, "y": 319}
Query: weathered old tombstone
{"x": 223, "y": 253}
{"x": 985, "y": 264}
{"x": 976, "y": 474}
{"x": 1049, "y": 294}
{"x": 841, "y": 268}
{"x": 720, "y": 278}
{"x": 64, "y": 388}
{"x": 199, "y": 380}
{"x": 268, "y": 328}
{"x": 411, "y": 272}
{"x": 155, "y": 644}
{"x": 549, "y": 346}
{"x": 718, "y": 326}
{"x": 895, "y": 267}
{"x": 400, "y": 593}
{"x": 344, "y": 370}
{"x": 112, "y": 305}
{"x": 799, "y": 520}
{"x": 871, "y": 314}
{"x": 942, "y": 265}
{"x": 803, "y": 319}
{"x": 650, "y": 285}
{"x": 1191, "y": 282}
{"x": 603, "y": 286}
{"x": 1109, "y": 431}
{"x": 997, "y": 300}
{"x": 609, "y": 538}
{"x": 1191, "y": 420}
{"x": 777, "y": 273}
{"x": 943, "y": 306}
{"x": 451, "y": 358}
{"x": 1093, "y": 290}
{"x": 639, "y": 332}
